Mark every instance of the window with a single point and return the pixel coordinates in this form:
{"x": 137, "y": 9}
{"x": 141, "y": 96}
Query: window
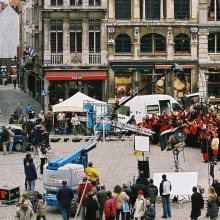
{"x": 152, "y": 9}
{"x": 75, "y": 36}
{"x": 124, "y": 110}
{"x": 214, "y": 43}
{"x": 94, "y": 2}
{"x": 75, "y": 2}
{"x": 56, "y": 36}
{"x": 181, "y": 9}
{"x": 94, "y": 36}
{"x": 56, "y": 2}
{"x": 123, "y": 9}
{"x": 122, "y": 44}
{"x": 152, "y": 109}
{"x": 182, "y": 44}
{"x": 153, "y": 43}
{"x": 214, "y": 10}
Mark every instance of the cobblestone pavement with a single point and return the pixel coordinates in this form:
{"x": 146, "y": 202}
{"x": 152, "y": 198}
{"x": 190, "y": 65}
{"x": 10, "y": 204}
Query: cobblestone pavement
{"x": 115, "y": 162}
{"x": 9, "y": 98}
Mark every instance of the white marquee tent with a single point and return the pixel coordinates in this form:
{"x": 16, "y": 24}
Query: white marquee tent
{"x": 74, "y": 103}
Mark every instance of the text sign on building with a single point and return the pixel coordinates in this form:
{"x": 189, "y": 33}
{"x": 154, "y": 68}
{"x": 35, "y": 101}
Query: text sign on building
{"x": 43, "y": 93}
{"x": 47, "y": 61}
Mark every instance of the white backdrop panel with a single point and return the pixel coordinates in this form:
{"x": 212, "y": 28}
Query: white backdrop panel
{"x": 141, "y": 143}
{"x": 182, "y": 182}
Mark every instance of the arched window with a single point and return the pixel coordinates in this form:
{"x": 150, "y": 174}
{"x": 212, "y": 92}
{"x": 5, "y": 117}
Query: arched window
{"x": 182, "y": 44}
{"x": 123, "y": 44}
{"x": 153, "y": 43}
{"x": 123, "y": 9}
{"x": 181, "y": 9}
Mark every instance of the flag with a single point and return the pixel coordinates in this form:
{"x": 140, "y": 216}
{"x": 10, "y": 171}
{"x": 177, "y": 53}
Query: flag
{"x": 31, "y": 51}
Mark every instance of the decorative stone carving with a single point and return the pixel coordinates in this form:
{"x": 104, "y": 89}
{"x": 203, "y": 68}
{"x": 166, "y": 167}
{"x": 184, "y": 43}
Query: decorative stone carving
{"x": 194, "y": 31}
{"x": 111, "y": 31}
{"x": 76, "y": 58}
{"x": 136, "y": 35}
{"x": 169, "y": 35}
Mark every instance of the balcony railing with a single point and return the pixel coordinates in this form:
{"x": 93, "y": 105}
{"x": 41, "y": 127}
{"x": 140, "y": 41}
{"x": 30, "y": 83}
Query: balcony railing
{"x": 94, "y": 58}
{"x": 56, "y": 59}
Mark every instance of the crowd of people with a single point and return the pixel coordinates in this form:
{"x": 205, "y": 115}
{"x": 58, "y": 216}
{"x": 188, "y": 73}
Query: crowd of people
{"x": 201, "y": 125}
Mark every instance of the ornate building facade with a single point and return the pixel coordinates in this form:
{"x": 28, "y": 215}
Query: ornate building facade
{"x": 145, "y": 38}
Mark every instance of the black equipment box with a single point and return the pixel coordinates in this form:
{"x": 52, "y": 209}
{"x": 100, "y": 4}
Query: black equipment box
{"x": 9, "y": 193}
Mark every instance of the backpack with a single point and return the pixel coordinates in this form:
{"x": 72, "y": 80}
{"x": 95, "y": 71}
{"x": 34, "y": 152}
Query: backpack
{"x": 110, "y": 209}
{"x": 40, "y": 208}
{"x": 5, "y": 135}
{"x": 28, "y": 108}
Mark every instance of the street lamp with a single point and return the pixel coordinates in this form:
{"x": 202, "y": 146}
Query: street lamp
{"x": 210, "y": 162}
{"x": 79, "y": 80}
{"x": 207, "y": 91}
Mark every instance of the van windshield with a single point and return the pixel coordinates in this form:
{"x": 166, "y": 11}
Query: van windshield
{"x": 124, "y": 110}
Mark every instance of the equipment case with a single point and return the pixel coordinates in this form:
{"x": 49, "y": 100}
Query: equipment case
{"x": 9, "y": 193}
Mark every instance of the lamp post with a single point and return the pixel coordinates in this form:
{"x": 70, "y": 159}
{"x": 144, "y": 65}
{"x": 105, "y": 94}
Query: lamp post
{"x": 207, "y": 90}
{"x": 206, "y": 135}
{"x": 79, "y": 80}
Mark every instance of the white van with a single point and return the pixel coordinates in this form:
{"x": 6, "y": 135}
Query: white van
{"x": 143, "y": 105}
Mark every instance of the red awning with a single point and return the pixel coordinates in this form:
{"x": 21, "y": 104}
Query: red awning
{"x": 168, "y": 66}
{"x": 86, "y": 75}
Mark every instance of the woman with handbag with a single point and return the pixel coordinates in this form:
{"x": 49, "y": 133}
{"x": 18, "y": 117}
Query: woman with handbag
{"x": 120, "y": 197}
{"x": 212, "y": 209}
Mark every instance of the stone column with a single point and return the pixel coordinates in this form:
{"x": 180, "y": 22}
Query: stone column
{"x": 104, "y": 51}
{"x": 47, "y": 51}
{"x": 194, "y": 10}
{"x": 203, "y": 12}
{"x": 144, "y": 15}
{"x": 136, "y": 43}
{"x": 111, "y": 9}
{"x": 85, "y": 41}
{"x": 203, "y": 45}
{"x": 170, "y": 44}
{"x": 111, "y": 84}
{"x": 170, "y": 10}
{"x": 194, "y": 43}
{"x": 161, "y": 10}
{"x": 136, "y": 10}
{"x": 66, "y": 48}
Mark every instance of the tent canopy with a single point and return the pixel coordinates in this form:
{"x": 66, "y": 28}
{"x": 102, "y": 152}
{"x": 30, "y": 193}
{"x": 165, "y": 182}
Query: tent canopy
{"x": 74, "y": 103}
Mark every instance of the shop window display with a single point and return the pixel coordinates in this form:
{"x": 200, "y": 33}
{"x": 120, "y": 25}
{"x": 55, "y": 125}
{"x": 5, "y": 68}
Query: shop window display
{"x": 123, "y": 85}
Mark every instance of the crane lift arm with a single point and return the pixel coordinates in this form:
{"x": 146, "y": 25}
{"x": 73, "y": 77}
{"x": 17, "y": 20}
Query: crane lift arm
{"x": 78, "y": 157}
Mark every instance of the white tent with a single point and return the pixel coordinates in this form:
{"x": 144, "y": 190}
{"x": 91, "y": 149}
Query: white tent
{"x": 74, "y": 103}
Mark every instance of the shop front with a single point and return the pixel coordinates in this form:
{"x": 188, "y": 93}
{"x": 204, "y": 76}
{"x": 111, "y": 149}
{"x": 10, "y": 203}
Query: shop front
{"x": 64, "y": 84}
{"x": 128, "y": 79}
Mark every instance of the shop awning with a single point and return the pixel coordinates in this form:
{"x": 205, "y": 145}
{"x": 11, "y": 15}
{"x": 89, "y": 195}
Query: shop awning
{"x": 158, "y": 67}
{"x": 72, "y": 75}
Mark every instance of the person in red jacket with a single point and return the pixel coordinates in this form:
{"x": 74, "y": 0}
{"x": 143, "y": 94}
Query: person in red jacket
{"x": 85, "y": 184}
{"x": 110, "y": 207}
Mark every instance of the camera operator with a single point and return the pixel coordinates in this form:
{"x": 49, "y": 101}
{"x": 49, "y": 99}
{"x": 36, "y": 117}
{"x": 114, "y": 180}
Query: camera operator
{"x": 43, "y": 147}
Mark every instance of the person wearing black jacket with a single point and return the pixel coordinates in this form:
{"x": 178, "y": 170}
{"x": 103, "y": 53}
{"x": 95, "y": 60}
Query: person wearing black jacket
{"x": 150, "y": 210}
{"x": 135, "y": 188}
{"x": 91, "y": 207}
{"x": 152, "y": 191}
{"x": 216, "y": 186}
{"x": 197, "y": 204}
{"x": 64, "y": 197}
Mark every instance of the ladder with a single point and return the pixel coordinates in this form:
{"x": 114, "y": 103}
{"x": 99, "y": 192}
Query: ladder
{"x": 134, "y": 128}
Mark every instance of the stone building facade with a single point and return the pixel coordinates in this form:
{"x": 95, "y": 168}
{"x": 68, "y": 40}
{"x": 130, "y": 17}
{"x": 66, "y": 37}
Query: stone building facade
{"x": 145, "y": 38}
{"x": 109, "y": 49}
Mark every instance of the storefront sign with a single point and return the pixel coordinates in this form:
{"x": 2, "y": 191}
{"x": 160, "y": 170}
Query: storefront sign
{"x": 132, "y": 67}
